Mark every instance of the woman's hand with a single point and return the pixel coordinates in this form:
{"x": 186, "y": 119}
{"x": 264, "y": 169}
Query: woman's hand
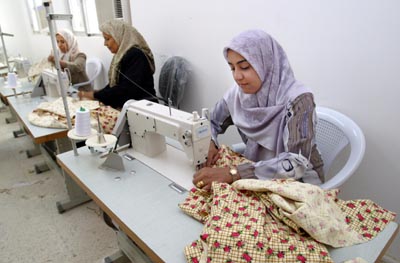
{"x": 205, "y": 176}
{"x": 50, "y": 58}
{"x": 86, "y": 95}
{"x": 212, "y": 154}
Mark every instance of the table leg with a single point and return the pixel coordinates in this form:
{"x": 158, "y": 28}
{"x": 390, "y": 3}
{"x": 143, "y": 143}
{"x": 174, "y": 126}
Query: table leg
{"x": 33, "y": 152}
{"x": 41, "y": 168}
{"x": 19, "y": 133}
{"x": 76, "y": 195}
{"x": 128, "y": 251}
{"x": 11, "y": 120}
{"x": 117, "y": 257}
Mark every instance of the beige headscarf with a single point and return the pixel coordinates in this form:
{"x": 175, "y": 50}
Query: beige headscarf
{"x": 126, "y": 37}
{"x": 72, "y": 44}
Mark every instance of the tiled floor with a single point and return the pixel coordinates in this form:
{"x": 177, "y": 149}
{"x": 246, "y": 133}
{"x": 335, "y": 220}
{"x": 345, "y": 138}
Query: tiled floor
{"x": 31, "y": 229}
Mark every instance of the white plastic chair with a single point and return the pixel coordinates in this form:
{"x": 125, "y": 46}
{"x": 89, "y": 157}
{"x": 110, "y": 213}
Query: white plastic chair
{"x": 93, "y": 70}
{"x": 335, "y": 131}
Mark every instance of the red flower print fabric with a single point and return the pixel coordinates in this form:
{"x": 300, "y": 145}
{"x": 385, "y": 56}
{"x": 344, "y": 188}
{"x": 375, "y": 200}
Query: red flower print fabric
{"x": 249, "y": 222}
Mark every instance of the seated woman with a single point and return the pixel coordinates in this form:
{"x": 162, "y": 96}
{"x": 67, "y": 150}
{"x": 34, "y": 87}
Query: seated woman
{"x": 132, "y": 67}
{"x": 273, "y": 112}
{"x": 71, "y": 58}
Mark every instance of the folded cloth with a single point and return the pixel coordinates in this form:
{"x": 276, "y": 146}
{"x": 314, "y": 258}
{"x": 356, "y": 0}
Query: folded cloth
{"x": 52, "y": 114}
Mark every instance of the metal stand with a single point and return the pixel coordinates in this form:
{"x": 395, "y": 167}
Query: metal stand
{"x": 114, "y": 161}
{"x": 50, "y": 20}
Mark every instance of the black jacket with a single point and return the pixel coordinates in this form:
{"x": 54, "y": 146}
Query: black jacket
{"x": 135, "y": 68}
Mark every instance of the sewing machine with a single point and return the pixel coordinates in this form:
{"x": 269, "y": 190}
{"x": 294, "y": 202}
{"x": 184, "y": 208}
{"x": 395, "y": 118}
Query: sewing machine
{"x": 22, "y": 66}
{"x": 51, "y": 83}
{"x": 149, "y": 123}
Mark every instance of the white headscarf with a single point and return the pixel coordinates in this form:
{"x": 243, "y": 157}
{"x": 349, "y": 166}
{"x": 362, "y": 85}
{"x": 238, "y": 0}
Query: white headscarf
{"x": 261, "y": 116}
{"x": 126, "y": 37}
{"x": 72, "y": 45}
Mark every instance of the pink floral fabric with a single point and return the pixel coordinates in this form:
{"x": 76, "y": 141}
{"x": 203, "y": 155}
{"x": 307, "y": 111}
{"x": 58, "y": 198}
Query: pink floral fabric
{"x": 259, "y": 225}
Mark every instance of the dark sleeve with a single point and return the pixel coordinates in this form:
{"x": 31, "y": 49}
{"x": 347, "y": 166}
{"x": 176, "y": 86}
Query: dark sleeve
{"x": 135, "y": 81}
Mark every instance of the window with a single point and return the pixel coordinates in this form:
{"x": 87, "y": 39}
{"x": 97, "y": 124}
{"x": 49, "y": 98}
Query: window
{"x": 87, "y": 15}
{"x": 37, "y": 15}
{"x": 84, "y": 16}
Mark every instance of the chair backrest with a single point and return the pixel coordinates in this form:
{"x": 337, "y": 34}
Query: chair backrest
{"x": 174, "y": 77}
{"x": 335, "y": 131}
{"x": 93, "y": 70}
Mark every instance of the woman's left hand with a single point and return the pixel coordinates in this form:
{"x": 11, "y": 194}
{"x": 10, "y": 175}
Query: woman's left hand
{"x": 204, "y": 177}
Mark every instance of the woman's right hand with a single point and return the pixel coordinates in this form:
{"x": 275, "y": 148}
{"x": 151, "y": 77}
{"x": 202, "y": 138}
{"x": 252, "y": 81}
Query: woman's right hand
{"x": 212, "y": 154}
{"x": 50, "y": 58}
{"x": 86, "y": 95}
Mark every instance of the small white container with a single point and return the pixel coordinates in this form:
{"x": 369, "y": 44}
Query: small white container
{"x": 11, "y": 80}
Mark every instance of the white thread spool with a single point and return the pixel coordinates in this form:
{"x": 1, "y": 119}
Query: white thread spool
{"x": 12, "y": 79}
{"x": 82, "y": 122}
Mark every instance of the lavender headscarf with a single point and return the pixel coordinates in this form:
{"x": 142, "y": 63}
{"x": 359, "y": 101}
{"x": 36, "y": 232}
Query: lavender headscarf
{"x": 72, "y": 45}
{"x": 261, "y": 116}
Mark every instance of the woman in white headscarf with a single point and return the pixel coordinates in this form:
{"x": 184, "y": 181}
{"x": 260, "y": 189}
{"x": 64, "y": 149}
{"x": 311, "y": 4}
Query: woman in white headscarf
{"x": 273, "y": 113}
{"x": 132, "y": 67}
{"x": 71, "y": 58}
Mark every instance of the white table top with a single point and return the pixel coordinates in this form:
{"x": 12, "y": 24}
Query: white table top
{"x": 23, "y": 87}
{"x": 25, "y": 104}
{"x": 143, "y": 203}
{"x": 146, "y": 208}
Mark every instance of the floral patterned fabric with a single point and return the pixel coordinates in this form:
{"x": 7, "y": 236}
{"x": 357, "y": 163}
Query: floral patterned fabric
{"x": 276, "y": 221}
{"x": 52, "y": 114}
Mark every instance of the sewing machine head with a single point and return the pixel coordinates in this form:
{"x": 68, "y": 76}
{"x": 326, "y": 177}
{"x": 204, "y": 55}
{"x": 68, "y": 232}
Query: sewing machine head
{"x": 51, "y": 84}
{"x": 22, "y": 66}
{"x": 149, "y": 123}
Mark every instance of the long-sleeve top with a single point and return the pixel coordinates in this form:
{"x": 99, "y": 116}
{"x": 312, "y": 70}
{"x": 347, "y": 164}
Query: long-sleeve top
{"x": 135, "y": 81}
{"x": 298, "y": 140}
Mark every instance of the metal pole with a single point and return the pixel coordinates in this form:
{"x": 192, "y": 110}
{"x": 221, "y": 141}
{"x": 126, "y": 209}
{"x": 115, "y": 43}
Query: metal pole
{"x": 4, "y": 47}
{"x": 50, "y": 18}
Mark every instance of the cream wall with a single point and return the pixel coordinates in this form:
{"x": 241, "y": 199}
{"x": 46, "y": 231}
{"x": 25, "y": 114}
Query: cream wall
{"x": 347, "y": 52}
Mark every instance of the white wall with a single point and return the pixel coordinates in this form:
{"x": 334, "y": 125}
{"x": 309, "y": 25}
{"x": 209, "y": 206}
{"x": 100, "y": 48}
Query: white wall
{"x": 347, "y": 52}
{"x": 14, "y": 24}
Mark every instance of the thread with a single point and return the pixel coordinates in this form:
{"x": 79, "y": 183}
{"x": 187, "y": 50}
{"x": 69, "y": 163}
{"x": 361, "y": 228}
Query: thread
{"x": 12, "y": 79}
{"x": 82, "y": 122}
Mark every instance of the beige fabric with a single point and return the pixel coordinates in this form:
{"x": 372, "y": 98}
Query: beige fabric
{"x": 52, "y": 115}
{"x": 126, "y": 37}
{"x": 309, "y": 208}
{"x": 57, "y": 106}
{"x": 275, "y": 221}
{"x": 36, "y": 69}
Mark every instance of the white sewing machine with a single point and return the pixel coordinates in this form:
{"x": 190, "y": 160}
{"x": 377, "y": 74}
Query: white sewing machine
{"x": 51, "y": 83}
{"x": 149, "y": 124}
{"x": 146, "y": 125}
{"x": 22, "y": 66}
